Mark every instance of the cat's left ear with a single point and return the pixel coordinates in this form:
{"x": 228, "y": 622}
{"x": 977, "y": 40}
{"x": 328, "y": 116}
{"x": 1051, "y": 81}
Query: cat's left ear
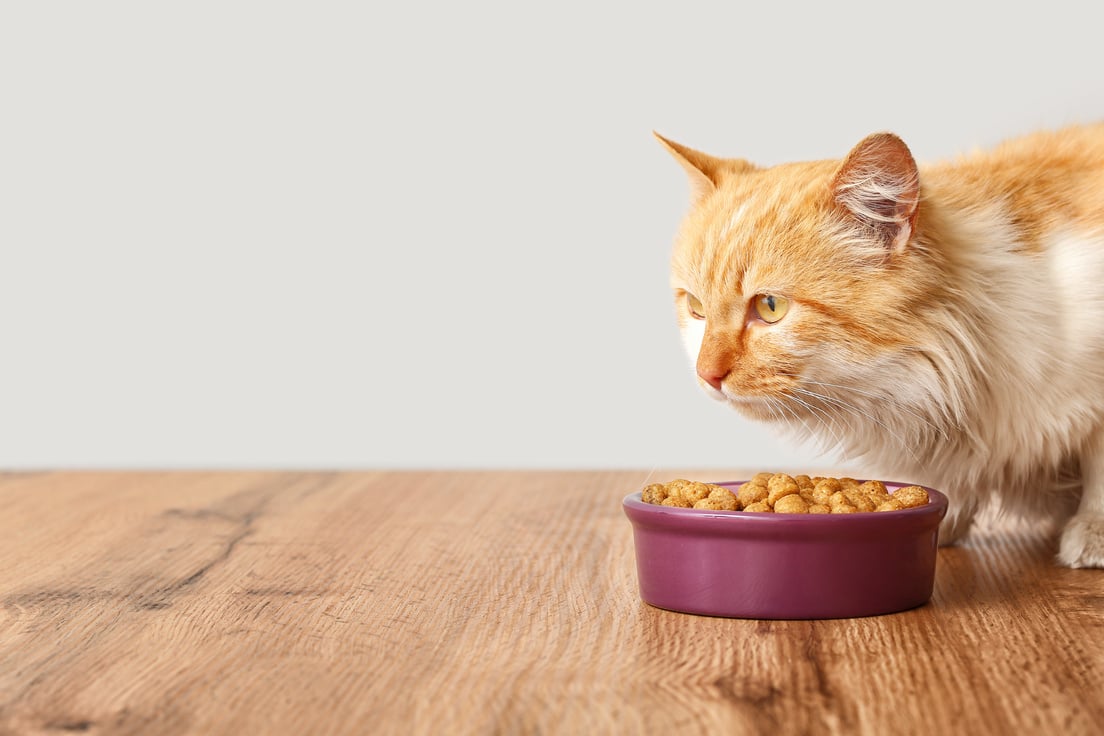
{"x": 705, "y": 171}
{"x": 879, "y": 184}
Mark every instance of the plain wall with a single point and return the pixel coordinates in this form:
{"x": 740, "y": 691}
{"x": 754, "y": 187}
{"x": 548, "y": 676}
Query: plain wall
{"x": 430, "y": 234}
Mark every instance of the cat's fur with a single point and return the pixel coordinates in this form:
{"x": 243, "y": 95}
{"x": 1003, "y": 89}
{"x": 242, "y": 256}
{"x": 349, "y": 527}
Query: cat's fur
{"x": 946, "y": 322}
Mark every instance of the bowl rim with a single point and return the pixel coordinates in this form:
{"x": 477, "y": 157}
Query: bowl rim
{"x": 632, "y": 503}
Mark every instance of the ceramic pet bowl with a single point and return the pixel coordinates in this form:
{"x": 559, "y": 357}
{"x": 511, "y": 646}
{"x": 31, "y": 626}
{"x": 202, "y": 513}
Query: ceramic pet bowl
{"x": 785, "y": 566}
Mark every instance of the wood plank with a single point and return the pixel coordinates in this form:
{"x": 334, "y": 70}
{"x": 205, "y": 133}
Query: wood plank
{"x": 483, "y": 602}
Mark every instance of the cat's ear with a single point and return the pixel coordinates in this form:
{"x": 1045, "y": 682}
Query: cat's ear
{"x": 879, "y": 184}
{"x": 705, "y": 171}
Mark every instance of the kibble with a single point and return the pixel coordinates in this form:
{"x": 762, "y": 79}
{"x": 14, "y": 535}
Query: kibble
{"x": 724, "y": 498}
{"x": 860, "y": 500}
{"x": 785, "y": 494}
{"x": 752, "y": 492}
{"x": 655, "y": 493}
{"x": 791, "y": 504}
{"x": 911, "y": 496}
{"x": 780, "y": 485}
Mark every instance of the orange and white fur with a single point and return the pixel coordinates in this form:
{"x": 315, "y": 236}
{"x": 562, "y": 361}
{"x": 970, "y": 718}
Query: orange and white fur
{"x": 943, "y": 324}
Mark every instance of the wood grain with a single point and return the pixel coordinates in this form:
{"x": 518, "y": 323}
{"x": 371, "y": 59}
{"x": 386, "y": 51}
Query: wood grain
{"x": 483, "y": 603}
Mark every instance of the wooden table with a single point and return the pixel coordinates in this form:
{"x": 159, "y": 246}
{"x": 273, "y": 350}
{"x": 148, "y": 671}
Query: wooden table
{"x": 483, "y": 603}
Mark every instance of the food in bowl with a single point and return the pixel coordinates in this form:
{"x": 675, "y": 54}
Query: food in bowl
{"x": 785, "y": 494}
{"x": 785, "y": 565}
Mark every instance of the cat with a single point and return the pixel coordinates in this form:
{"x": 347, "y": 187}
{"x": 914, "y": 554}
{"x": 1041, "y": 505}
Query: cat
{"x": 943, "y": 324}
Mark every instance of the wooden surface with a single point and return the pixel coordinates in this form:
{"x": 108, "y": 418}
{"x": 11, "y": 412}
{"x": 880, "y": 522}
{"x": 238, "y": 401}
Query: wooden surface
{"x": 483, "y": 603}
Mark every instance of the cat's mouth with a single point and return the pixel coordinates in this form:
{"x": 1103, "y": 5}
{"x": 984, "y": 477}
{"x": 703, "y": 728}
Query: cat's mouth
{"x": 754, "y": 406}
{"x": 759, "y": 408}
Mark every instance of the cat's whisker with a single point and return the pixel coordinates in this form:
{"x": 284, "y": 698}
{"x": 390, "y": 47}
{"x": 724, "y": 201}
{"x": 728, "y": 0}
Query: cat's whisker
{"x": 789, "y": 412}
{"x": 888, "y": 400}
{"x": 773, "y": 405}
{"x": 880, "y": 397}
{"x": 805, "y": 379}
{"x": 782, "y": 405}
{"x": 829, "y": 421}
{"x": 825, "y": 418}
{"x": 810, "y": 434}
{"x": 902, "y": 441}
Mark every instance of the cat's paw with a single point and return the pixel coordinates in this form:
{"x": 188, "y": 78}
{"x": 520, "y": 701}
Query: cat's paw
{"x": 1082, "y": 542}
{"x": 954, "y": 527}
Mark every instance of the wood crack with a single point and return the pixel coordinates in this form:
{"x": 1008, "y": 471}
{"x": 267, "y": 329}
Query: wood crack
{"x": 90, "y": 605}
{"x": 161, "y": 598}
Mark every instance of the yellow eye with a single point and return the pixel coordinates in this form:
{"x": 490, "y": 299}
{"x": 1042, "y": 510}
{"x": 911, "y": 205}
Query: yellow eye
{"x": 771, "y": 308}
{"x": 694, "y": 305}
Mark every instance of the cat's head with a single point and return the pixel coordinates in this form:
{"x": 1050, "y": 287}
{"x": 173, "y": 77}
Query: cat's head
{"x": 797, "y": 286}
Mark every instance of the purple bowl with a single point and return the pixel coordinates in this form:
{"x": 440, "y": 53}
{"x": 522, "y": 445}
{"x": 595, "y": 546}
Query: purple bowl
{"x": 785, "y": 566}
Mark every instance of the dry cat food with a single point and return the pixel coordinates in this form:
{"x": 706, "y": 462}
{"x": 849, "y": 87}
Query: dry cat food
{"x": 785, "y": 494}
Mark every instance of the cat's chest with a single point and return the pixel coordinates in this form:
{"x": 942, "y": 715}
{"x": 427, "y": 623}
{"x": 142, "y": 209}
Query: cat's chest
{"x": 1024, "y": 451}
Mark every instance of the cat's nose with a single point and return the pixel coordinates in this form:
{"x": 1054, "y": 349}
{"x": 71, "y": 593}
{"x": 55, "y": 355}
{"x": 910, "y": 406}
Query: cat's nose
{"x": 713, "y": 376}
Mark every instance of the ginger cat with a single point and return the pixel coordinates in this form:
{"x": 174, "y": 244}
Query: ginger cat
{"x": 944, "y": 323}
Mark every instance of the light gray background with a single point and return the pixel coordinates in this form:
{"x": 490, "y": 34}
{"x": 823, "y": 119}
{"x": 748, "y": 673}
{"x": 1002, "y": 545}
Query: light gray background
{"x": 430, "y": 234}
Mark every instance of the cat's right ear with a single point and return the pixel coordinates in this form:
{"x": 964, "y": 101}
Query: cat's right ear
{"x": 705, "y": 171}
{"x": 879, "y": 184}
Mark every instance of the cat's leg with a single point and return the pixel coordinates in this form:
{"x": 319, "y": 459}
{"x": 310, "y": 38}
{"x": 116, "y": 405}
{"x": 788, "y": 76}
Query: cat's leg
{"x": 961, "y": 510}
{"x": 1082, "y": 542}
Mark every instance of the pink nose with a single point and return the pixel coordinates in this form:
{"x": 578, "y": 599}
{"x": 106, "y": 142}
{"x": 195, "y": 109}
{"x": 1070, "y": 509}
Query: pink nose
{"x": 713, "y": 376}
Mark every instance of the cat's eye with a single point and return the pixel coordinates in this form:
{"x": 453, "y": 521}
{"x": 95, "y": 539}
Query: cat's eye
{"x": 694, "y": 306}
{"x": 771, "y": 308}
